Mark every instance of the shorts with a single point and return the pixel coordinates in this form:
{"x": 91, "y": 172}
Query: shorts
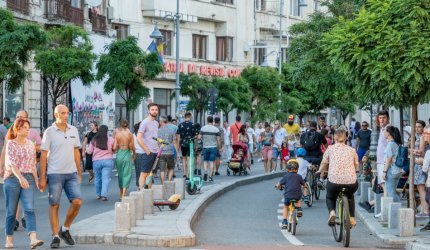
{"x": 164, "y": 160}
{"x": 267, "y": 152}
{"x": 361, "y": 152}
{"x": 147, "y": 162}
{"x": 209, "y": 154}
{"x": 380, "y": 168}
{"x": 185, "y": 151}
{"x": 58, "y": 182}
{"x": 259, "y": 146}
{"x": 276, "y": 153}
{"x": 287, "y": 201}
{"x": 251, "y": 148}
{"x": 292, "y": 153}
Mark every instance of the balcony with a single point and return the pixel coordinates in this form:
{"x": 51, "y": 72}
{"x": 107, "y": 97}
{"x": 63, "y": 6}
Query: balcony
{"x": 99, "y": 23}
{"x": 56, "y": 10}
{"x": 22, "y": 6}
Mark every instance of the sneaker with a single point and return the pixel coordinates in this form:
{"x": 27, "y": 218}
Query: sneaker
{"x": 23, "y": 222}
{"x": 284, "y": 224}
{"x": 422, "y": 215}
{"x": 91, "y": 178}
{"x": 216, "y": 173}
{"x": 299, "y": 212}
{"x": 332, "y": 220}
{"x": 306, "y": 198}
{"x": 103, "y": 198}
{"x": 16, "y": 225}
{"x": 259, "y": 160}
{"x": 211, "y": 179}
{"x": 199, "y": 172}
{"x": 205, "y": 177}
{"x": 55, "y": 242}
{"x": 378, "y": 215}
{"x": 252, "y": 161}
{"x": 66, "y": 237}
{"x": 426, "y": 228}
{"x": 185, "y": 177}
{"x": 320, "y": 184}
{"x": 366, "y": 205}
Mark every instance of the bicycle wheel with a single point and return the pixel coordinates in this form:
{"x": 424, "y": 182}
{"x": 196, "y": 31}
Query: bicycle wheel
{"x": 310, "y": 196}
{"x": 346, "y": 227}
{"x": 317, "y": 192}
{"x": 337, "y": 228}
{"x": 294, "y": 222}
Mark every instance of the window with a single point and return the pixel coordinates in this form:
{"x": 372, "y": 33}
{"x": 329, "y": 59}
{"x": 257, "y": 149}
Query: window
{"x": 199, "y": 46}
{"x": 259, "y": 54}
{"x": 162, "y": 98}
{"x": 76, "y": 3}
{"x": 167, "y": 40}
{"x": 260, "y": 5}
{"x": 122, "y": 31}
{"x": 294, "y": 7}
{"x": 224, "y": 49}
{"x": 13, "y": 102}
{"x": 316, "y": 5}
{"x": 225, "y": 1}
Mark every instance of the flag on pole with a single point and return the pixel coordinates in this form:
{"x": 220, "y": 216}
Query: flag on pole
{"x": 154, "y": 48}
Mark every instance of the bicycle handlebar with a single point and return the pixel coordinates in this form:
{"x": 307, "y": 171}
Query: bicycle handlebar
{"x": 159, "y": 140}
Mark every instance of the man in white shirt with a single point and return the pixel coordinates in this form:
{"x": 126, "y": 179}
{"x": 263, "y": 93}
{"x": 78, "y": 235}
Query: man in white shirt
{"x": 258, "y": 132}
{"x": 251, "y": 141}
{"x": 280, "y": 135}
{"x": 227, "y": 147}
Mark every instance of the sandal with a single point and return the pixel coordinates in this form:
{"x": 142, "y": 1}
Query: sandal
{"x": 103, "y": 198}
{"x": 36, "y": 243}
{"x": 352, "y": 222}
{"x": 8, "y": 245}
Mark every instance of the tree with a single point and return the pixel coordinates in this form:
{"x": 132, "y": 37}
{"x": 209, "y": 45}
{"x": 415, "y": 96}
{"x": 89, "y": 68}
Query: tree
{"x": 17, "y": 43}
{"x": 66, "y": 57}
{"x": 263, "y": 83}
{"x": 126, "y": 67}
{"x": 384, "y": 53}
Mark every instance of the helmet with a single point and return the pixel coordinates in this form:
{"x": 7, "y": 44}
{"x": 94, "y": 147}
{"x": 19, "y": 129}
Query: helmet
{"x": 301, "y": 152}
{"x": 293, "y": 164}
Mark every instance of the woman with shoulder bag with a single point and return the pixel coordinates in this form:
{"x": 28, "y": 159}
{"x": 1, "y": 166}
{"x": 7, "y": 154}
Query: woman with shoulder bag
{"x": 391, "y": 173}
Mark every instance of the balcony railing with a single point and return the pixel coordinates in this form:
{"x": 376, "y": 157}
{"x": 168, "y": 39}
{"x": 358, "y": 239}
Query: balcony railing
{"x": 99, "y": 23}
{"x": 22, "y": 6}
{"x": 62, "y": 9}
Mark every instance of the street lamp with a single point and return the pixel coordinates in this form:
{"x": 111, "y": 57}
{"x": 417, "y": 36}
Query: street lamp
{"x": 156, "y": 34}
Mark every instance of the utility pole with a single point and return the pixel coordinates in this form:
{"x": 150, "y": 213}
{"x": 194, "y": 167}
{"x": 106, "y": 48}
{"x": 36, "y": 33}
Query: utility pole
{"x": 177, "y": 86}
{"x": 281, "y": 3}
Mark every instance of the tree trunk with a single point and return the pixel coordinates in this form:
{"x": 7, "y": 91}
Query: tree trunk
{"x": 401, "y": 124}
{"x": 412, "y": 162}
{"x": 54, "y": 104}
{"x": 127, "y": 114}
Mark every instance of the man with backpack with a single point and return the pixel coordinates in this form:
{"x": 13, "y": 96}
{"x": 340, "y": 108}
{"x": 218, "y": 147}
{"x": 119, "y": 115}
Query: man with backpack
{"x": 312, "y": 141}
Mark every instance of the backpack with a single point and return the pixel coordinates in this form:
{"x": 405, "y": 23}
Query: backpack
{"x": 402, "y": 160}
{"x": 311, "y": 141}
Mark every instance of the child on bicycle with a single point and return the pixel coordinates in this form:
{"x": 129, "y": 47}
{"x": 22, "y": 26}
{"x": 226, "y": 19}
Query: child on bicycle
{"x": 303, "y": 168}
{"x": 291, "y": 184}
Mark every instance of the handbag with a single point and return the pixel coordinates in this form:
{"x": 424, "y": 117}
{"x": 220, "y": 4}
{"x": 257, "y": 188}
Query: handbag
{"x": 376, "y": 187}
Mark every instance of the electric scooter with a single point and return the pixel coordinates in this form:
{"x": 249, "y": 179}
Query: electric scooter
{"x": 195, "y": 183}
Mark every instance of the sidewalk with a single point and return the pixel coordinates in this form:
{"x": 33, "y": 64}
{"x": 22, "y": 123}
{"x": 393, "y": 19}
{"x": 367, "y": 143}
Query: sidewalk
{"x": 390, "y": 237}
{"x": 166, "y": 228}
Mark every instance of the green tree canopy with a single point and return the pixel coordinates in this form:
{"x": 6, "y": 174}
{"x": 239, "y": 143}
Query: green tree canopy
{"x": 126, "y": 67}
{"x": 66, "y": 57}
{"x": 17, "y": 42}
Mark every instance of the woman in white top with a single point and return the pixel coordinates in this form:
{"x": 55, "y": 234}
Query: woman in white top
{"x": 138, "y": 153}
{"x": 342, "y": 163}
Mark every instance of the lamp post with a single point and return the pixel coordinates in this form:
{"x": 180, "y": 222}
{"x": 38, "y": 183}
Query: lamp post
{"x": 156, "y": 34}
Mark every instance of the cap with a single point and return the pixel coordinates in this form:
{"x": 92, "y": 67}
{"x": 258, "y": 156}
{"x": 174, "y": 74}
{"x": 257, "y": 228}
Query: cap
{"x": 291, "y": 117}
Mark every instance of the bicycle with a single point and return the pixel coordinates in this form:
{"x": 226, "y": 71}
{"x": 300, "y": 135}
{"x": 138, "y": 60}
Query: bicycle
{"x": 312, "y": 179}
{"x": 292, "y": 215}
{"x": 342, "y": 226}
{"x": 310, "y": 197}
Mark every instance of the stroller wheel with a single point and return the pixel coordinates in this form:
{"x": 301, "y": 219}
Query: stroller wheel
{"x": 234, "y": 173}
{"x": 245, "y": 172}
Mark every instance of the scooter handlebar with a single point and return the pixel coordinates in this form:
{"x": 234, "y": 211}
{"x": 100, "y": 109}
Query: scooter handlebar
{"x": 159, "y": 140}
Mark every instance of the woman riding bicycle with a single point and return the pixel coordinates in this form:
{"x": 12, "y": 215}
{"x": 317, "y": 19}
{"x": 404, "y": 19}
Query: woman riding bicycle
{"x": 342, "y": 163}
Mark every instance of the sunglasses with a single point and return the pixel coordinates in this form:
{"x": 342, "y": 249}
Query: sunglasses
{"x": 364, "y": 125}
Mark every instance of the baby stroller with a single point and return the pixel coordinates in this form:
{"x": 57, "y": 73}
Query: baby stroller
{"x": 238, "y": 159}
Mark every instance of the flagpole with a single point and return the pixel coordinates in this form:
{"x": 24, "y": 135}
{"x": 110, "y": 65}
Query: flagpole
{"x": 177, "y": 87}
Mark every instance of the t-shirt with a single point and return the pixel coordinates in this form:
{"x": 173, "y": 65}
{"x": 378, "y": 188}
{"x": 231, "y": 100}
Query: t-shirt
{"x": 293, "y": 129}
{"x": 279, "y": 136}
{"x": 303, "y": 167}
{"x": 34, "y": 137}
{"x": 382, "y": 144}
{"x": 234, "y": 130}
{"x": 292, "y": 145}
{"x": 221, "y": 134}
{"x": 90, "y": 135}
{"x": 364, "y": 137}
{"x": 391, "y": 151}
{"x": 341, "y": 159}
{"x": 187, "y": 132}
{"x": 250, "y": 132}
{"x": 167, "y": 133}
{"x": 292, "y": 183}
{"x": 320, "y": 139}
{"x": 137, "y": 148}
{"x": 209, "y": 136}
{"x": 102, "y": 154}
{"x": 266, "y": 138}
{"x": 149, "y": 128}
{"x": 258, "y": 132}
{"x": 226, "y": 136}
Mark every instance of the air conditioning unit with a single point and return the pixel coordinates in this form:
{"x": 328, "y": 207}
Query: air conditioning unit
{"x": 110, "y": 13}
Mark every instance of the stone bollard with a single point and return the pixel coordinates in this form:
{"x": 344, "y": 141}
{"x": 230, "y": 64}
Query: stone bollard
{"x": 393, "y": 214}
{"x": 359, "y": 180}
{"x": 364, "y": 186}
{"x": 158, "y": 192}
{"x": 406, "y": 222}
{"x": 169, "y": 187}
{"x": 132, "y": 201}
{"x": 122, "y": 216}
{"x": 139, "y": 204}
{"x": 180, "y": 187}
{"x": 385, "y": 204}
{"x": 370, "y": 194}
{"x": 378, "y": 203}
{"x": 148, "y": 201}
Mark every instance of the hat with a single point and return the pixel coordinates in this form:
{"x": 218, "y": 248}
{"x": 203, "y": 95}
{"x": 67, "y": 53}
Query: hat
{"x": 291, "y": 117}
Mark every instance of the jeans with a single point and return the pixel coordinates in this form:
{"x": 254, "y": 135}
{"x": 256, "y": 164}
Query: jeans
{"x": 67, "y": 182}
{"x": 13, "y": 193}
{"x": 391, "y": 182}
{"x": 102, "y": 171}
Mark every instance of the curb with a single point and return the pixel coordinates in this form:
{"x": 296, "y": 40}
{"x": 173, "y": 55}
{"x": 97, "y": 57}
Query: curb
{"x": 185, "y": 221}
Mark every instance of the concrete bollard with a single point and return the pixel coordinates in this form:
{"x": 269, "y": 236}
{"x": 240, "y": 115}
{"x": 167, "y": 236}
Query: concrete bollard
{"x": 148, "y": 201}
{"x": 180, "y": 186}
{"x": 364, "y": 186}
{"x": 169, "y": 187}
{"x": 132, "y": 201}
{"x": 158, "y": 192}
{"x": 385, "y": 204}
{"x": 139, "y": 204}
{"x": 370, "y": 194}
{"x": 393, "y": 214}
{"x": 122, "y": 216}
{"x": 406, "y": 222}
{"x": 359, "y": 180}
{"x": 378, "y": 203}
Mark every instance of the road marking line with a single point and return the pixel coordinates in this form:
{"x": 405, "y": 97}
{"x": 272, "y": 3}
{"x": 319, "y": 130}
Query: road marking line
{"x": 280, "y": 211}
{"x": 280, "y": 217}
{"x": 291, "y": 238}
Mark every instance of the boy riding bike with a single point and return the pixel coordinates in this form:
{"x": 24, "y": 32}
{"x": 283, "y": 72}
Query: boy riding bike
{"x": 291, "y": 184}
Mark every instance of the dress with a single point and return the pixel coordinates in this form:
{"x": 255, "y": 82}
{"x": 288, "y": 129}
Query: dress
{"x": 419, "y": 176}
{"x": 123, "y": 163}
